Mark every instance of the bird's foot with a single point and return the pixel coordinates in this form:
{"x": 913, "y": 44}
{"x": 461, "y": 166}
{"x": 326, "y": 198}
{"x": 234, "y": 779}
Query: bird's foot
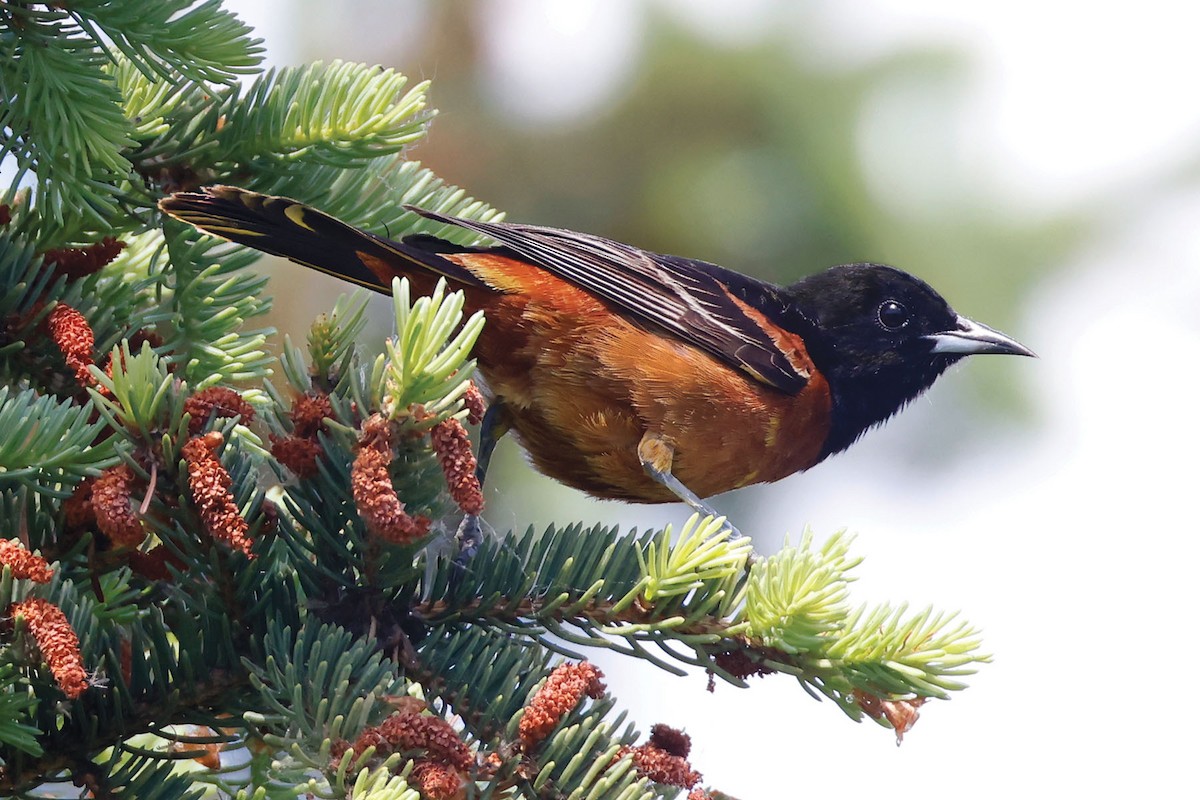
{"x": 470, "y": 535}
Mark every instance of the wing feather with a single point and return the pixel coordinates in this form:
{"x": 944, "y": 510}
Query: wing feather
{"x": 689, "y": 299}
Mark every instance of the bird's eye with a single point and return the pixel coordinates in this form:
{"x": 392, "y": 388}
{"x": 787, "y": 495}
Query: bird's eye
{"x": 892, "y": 315}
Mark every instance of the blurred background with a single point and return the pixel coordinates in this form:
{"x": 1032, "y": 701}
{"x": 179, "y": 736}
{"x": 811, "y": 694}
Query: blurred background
{"x": 1039, "y": 164}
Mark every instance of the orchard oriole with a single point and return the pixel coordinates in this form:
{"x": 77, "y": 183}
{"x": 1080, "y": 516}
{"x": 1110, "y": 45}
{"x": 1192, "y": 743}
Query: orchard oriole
{"x": 640, "y": 376}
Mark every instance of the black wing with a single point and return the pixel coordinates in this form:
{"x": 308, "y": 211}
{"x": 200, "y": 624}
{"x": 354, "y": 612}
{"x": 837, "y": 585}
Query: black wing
{"x": 687, "y": 298}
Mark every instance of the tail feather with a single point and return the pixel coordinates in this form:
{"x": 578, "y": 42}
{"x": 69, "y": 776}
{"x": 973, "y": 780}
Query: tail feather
{"x": 309, "y": 237}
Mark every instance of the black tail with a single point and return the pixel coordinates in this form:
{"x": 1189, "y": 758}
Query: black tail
{"x": 290, "y": 229}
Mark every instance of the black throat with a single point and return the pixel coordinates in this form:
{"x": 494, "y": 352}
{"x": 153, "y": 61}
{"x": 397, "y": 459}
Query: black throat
{"x": 863, "y": 399}
{"x": 871, "y": 375}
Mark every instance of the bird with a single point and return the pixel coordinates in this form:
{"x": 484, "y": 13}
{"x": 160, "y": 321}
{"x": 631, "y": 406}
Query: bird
{"x": 637, "y": 376}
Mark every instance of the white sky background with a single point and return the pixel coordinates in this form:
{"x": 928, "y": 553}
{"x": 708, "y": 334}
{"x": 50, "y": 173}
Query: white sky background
{"x": 1073, "y": 545}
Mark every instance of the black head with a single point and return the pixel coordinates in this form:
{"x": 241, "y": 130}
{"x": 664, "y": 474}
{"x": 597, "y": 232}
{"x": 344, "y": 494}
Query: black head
{"x": 881, "y": 337}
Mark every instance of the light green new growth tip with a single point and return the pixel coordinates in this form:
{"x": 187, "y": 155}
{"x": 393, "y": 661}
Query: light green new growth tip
{"x": 138, "y": 391}
{"x": 796, "y": 602}
{"x": 703, "y": 553}
{"x": 381, "y": 784}
{"x": 426, "y": 363}
{"x": 797, "y": 597}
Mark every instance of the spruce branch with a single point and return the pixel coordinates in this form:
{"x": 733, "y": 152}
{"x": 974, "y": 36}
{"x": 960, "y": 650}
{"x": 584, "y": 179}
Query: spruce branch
{"x": 786, "y": 613}
{"x": 340, "y": 114}
{"x": 331, "y": 344}
{"x": 213, "y": 296}
{"x": 170, "y": 38}
{"x": 61, "y": 120}
{"x": 490, "y": 685}
{"x": 48, "y": 444}
{"x": 16, "y": 711}
{"x": 377, "y": 784}
{"x": 417, "y": 385}
{"x": 798, "y": 596}
{"x": 25, "y": 283}
{"x": 173, "y": 125}
{"x": 701, "y": 563}
{"x": 323, "y": 671}
{"x": 135, "y": 399}
{"x": 150, "y": 102}
{"x": 884, "y": 647}
{"x": 426, "y": 372}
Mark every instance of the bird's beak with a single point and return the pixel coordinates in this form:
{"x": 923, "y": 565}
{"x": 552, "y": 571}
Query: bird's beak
{"x": 970, "y": 338}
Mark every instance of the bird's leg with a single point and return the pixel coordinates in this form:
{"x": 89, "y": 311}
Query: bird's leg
{"x": 491, "y": 428}
{"x": 657, "y": 455}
